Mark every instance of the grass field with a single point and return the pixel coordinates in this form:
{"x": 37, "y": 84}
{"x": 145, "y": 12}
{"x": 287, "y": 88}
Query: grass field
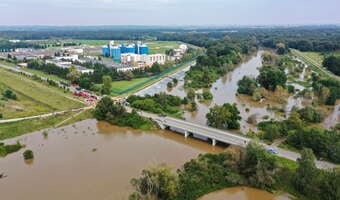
{"x": 314, "y": 60}
{"x": 44, "y": 95}
{"x": 122, "y": 85}
{"x": 14, "y": 129}
{"x": 36, "y": 72}
{"x": 22, "y": 107}
{"x": 161, "y": 46}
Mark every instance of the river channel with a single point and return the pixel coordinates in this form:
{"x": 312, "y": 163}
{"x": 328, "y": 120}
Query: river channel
{"x": 91, "y": 160}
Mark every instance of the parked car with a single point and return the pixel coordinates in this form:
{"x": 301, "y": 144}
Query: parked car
{"x": 273, "y": 151}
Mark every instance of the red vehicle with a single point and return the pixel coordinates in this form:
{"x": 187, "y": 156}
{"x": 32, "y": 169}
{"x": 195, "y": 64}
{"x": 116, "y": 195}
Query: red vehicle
{"x": 81, "y": 94}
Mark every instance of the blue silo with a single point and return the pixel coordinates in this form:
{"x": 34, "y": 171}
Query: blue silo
{"x": 122, "y": 48}
{"x": 116, "y": 54}
{"x": 130, "y": 49}
{"x": 106, "y": 51}
{"x": 143, "y": 50}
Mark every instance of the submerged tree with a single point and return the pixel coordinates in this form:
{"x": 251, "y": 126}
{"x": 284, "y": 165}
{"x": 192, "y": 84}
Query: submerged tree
{"x": 224, "y": 117}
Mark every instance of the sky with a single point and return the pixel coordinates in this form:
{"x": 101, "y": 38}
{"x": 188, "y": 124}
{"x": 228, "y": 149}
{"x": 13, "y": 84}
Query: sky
{"x": 169, "y": 12}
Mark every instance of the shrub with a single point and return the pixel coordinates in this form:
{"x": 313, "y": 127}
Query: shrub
{"x": 310, "y": 114}
{"x": 246, "y": 85}
{"x": 291, "y": 89}
{"x": 207, "y": 95}
{"x": 9, "y": 94}
{"x": 28, "y": 154}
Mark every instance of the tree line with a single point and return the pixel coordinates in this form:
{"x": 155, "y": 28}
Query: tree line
{"x": 253, "y": 167}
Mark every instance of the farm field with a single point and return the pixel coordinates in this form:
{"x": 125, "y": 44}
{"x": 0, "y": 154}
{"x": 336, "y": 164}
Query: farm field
{"x": 43, "y": 95}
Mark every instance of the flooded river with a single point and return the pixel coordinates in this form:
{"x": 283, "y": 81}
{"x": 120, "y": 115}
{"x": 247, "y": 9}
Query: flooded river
{"x": 242, "y": 193}
{"x": 224, "y": 90}
{"x": 91, "y": 160}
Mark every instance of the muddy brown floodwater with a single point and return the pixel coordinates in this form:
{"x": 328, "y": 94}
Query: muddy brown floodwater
{"x": 242, "y": 193}
{"x": 91, "y": 160}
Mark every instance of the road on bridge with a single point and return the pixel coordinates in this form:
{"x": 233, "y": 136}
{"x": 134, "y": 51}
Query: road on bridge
{"x": 224, "y": 136}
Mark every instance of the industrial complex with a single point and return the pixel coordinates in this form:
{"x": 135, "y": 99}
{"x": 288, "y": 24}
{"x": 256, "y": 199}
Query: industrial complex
{"x": 137, "y": 55}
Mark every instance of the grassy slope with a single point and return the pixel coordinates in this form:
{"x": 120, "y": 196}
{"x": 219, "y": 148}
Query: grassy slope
{"x": 47, "y": 95}
{"x": 10, "y": 130}
{"x": 36, "y": 72}
{"x": 22, "y": 107}
{"x": 314, "y": 60}
{"x": 14, "y": 129}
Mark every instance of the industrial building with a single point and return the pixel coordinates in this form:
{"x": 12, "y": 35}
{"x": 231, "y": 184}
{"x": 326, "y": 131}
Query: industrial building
{"x": 115, "y": 51}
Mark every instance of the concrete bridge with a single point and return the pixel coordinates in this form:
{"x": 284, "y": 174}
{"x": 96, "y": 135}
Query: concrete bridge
{"x": 198, "y": 131}
{"x": 218, "y": 136}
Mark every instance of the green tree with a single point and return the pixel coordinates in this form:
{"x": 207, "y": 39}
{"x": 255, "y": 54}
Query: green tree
{"x": 207, "y": 95}
{"x": 306, "y": 175}
{"x": 155, "y": 183}
{"x": 73, "y": 75}
{"x": 107, "y": 85}
{"x": 332, "y": 63}
{"x": 224, "y": 117}
{"x": 85, "y": 82}
{"x": 246, "y": 85}
{"x": 330, "y": 185}
{"x": 155, "y": 68}
{"x": 270, "y": 77}
{"x": 191, "y": 94}
{"x": 9, "y": 94}
{"x": 259, "y": 166}
{"x": 310, "y": 114}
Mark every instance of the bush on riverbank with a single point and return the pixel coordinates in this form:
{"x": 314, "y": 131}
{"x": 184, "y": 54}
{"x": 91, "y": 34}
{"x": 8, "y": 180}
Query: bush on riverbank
{"x": 11, "y": 148}
{"x": 116, "y": 114}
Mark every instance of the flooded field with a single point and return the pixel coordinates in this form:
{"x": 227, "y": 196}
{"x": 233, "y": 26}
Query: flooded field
{"x": 91, "y": 160}
{"x": 242, "y": 193}
{"x": 224, "y": 90}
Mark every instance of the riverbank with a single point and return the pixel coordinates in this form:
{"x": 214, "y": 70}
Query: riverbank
{"x": 243, "y": 193}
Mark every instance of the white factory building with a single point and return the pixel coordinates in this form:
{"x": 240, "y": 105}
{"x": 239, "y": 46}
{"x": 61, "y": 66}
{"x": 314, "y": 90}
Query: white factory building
{"x": 138, "y": 60}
